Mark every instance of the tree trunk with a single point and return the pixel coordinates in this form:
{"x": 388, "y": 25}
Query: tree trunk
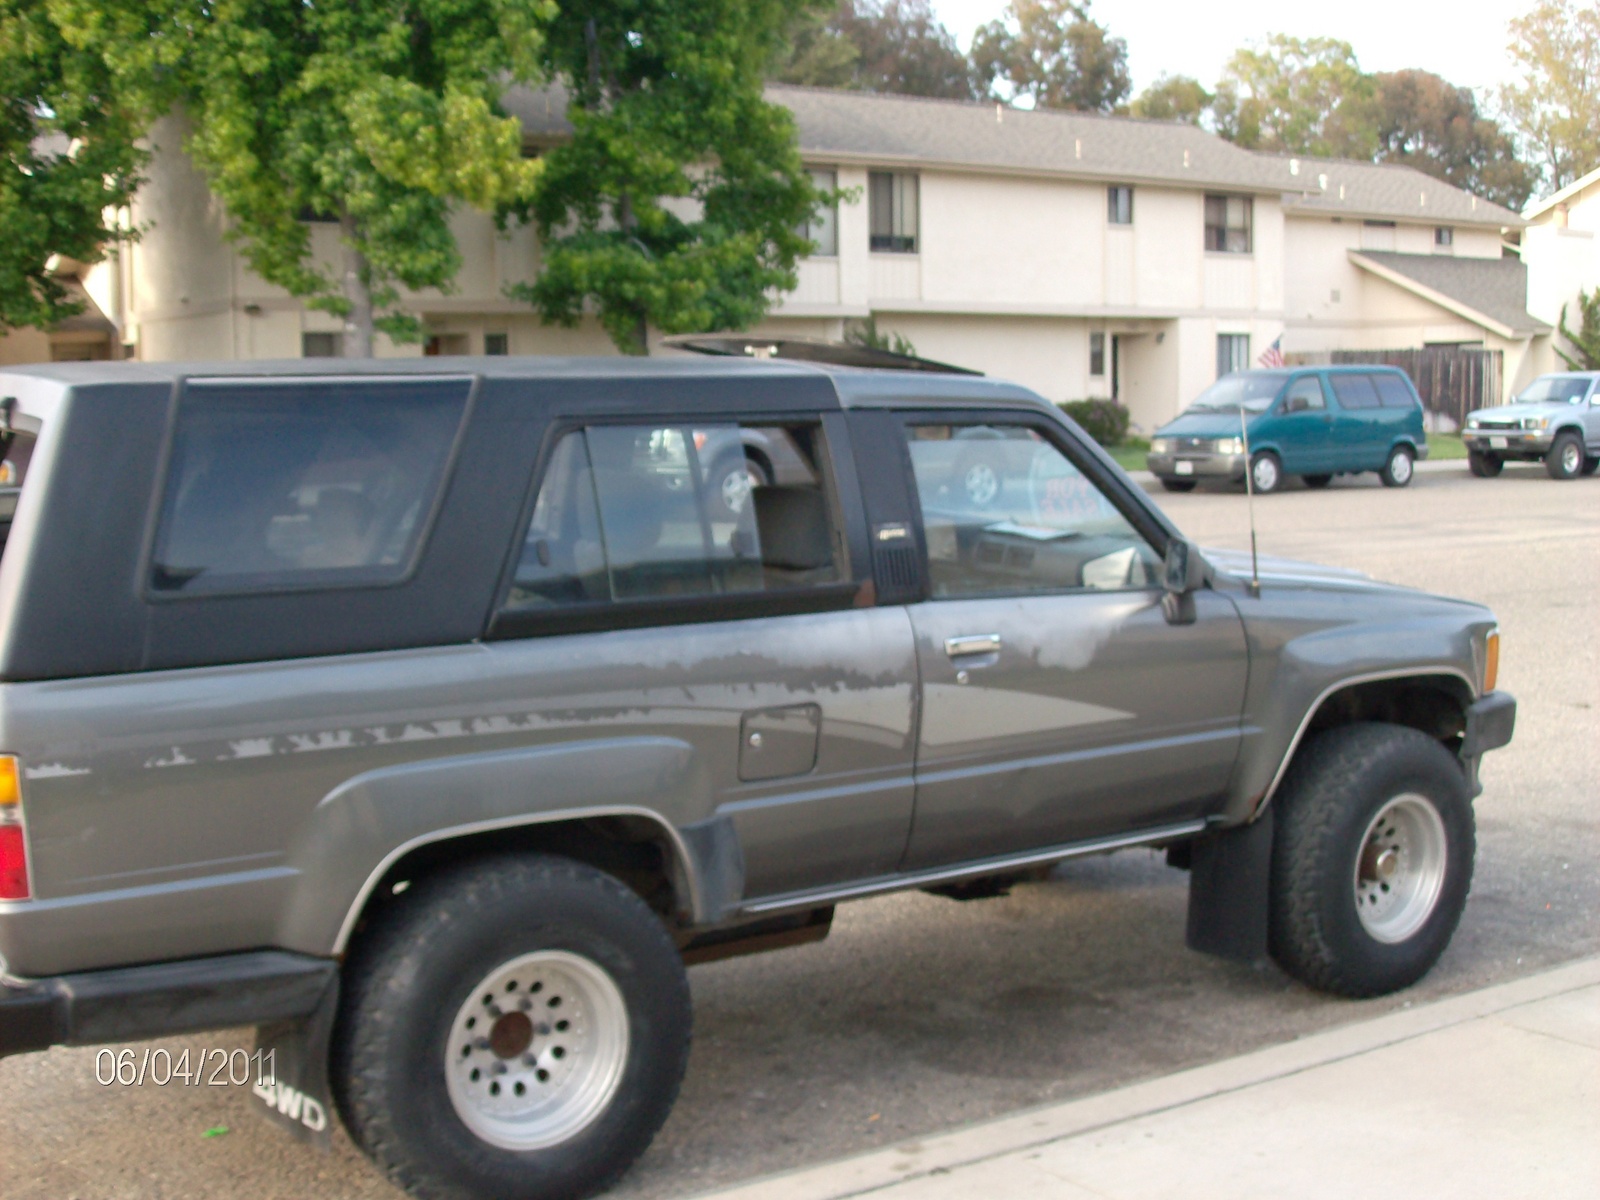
{"x": 358, "y": 322}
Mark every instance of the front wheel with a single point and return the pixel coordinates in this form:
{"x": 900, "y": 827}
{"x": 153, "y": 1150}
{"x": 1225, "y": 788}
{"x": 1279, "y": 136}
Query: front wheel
{"x": 1373, "y": 846}
{"x": 1266, "y": 472}
{"x": 1565, "y": 459}
{"x": 1398, "y": 470}
{"x": 1483, "y": 465}
{"x": 516, "y": 1029}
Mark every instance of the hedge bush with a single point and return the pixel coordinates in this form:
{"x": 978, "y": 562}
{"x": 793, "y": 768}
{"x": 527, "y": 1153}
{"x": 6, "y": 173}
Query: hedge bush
{"x": 1105, "y": 421}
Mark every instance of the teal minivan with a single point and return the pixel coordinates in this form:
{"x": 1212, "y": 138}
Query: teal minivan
{"x": 1314, "y": 422}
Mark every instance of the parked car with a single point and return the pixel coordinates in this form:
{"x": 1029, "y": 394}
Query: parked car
{"x": 1556, "y": 419}
{"x": 434, "y": 716}
{"x": 1314, "y": 422}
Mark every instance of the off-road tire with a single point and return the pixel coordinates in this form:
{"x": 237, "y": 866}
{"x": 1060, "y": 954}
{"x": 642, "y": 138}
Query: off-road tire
{"x": 413, "y": 969}
{"x": 1317, "y": 481}
{"x": 1484, "y": 465}
{"x": 1338, "y": 783}
{"x": 1400, "y": 468}
{"x": 1177, "y": 485}
{"x": 1565, "y": 459}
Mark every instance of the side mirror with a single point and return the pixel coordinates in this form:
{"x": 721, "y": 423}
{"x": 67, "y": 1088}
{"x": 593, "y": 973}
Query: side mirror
{"x": 1182, "y": 574}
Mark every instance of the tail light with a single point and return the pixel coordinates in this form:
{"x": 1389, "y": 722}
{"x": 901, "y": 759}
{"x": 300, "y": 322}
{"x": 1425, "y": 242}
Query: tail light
{"x": 13, "y": 851}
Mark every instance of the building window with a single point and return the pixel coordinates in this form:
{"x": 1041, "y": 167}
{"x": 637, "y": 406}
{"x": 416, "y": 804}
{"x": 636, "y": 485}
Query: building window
{"x": 497, "y": 344}
{"x": 1119, "y": 205}
{"x": 822, "y": 230}
{"x": 1233, "y": 353}
{"x": 1228, "y": 222}
{"x": 1443, "y": 236}
{"x": 1097, "y": 354}
{"x": 892, "y": 212}
{"x": 321, "y": 345}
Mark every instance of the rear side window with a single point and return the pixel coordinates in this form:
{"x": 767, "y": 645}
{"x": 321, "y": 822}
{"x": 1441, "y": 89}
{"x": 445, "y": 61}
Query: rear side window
{"x": 1354, "y": 391}
{"x": 1393, "y": 392}
{"x": 322, "y": 483}
{"x": 636, "y": 512}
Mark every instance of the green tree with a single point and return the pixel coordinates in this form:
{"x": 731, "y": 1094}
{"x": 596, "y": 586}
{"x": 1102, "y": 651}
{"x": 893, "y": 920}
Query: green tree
{"x": 1053, "y": 53}
{"x": 1426, "y": 122}
{"x": 1555, "y": 105}
{"x": 866, "y": 333}
{"x": 1585, "y": 340}
{"x": 1172, "y": 98}
{"x": 679, "y": 199}
{"x": 1298, "y": 96}
{"x": 381, "y": 116}
{"x": 895, "y": 46}
{"x": 68, "y": 154}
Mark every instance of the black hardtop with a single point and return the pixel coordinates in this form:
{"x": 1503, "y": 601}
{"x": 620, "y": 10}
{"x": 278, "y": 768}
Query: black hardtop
{"x": 786, "y": 382}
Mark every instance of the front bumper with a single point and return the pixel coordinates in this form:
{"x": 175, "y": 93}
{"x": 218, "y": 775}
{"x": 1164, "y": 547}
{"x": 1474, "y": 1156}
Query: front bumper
{"x": 1490, "y": 721}
{"x": 129, "y": 1003}
{"x": 1532, "y": 442}
{"x": 1196, "y": 464}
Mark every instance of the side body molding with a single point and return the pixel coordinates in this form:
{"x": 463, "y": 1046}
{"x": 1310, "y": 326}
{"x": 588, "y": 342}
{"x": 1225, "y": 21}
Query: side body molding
{"x": 369, "y": 822}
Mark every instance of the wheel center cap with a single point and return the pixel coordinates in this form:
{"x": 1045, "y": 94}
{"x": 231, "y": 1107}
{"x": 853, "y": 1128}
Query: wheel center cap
{"x": 1380, "y": 865}
{"x": 511, "y": 1035}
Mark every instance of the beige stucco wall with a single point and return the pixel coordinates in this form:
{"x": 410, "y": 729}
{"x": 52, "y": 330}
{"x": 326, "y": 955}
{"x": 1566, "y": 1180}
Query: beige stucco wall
{"x": 1562, "y": 252}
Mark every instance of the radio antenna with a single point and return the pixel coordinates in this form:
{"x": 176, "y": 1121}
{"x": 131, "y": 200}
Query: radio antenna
{"x": 1250, "y": 502}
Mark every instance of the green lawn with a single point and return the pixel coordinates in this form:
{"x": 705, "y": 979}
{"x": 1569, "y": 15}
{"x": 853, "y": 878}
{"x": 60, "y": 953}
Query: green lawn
{"x": 1130, "y": 454}
{"x": 1445, "y": 446}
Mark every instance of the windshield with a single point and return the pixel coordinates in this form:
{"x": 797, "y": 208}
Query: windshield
{"x": 1251, "y": 392}
{"x": 1555, "y": 389}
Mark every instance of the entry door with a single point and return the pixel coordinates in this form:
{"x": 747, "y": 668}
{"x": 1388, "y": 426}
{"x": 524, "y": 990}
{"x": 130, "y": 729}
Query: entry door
{"x": 1057, "y": 702}
{"x": 1305, "y": 428}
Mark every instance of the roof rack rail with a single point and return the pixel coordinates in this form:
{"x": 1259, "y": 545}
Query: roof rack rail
{"x": 838, "y": 354}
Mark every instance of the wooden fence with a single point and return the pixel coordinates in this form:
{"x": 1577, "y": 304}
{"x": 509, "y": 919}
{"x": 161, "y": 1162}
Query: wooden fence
{"x": 1452, "y": 380}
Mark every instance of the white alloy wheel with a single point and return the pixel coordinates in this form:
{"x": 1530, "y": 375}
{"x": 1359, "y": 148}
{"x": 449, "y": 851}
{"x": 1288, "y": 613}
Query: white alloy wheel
{"x": 982, "y": 484}
{"x": 537, "y": 1050}
{"x": 1264, "y": 473}
{"x": 1572, "y": 456}
{"x": 1400, "y": 869}
{"x": 736, "y": 486}
{"x": 1400, "y": 468}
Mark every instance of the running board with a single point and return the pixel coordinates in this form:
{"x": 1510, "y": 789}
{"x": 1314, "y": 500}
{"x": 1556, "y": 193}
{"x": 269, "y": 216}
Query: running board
{"x": 905, "y": 880}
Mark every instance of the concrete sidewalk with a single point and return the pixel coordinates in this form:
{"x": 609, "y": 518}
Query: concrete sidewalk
{"x": 1493, "y": 1094}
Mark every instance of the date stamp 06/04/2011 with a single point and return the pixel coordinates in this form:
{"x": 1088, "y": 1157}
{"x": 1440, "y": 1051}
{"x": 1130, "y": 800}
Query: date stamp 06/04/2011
{"x": 205, "y": 1067}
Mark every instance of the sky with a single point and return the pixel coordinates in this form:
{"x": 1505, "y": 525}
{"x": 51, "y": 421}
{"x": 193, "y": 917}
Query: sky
{"x": 1464, "y": 41}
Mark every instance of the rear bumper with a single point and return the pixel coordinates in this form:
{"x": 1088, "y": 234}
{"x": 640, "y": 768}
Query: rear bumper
{"x": 130, "y": 1003}
{"x": 1490, "y": 722}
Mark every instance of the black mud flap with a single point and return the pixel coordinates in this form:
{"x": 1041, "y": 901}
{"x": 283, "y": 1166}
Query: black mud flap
{"x": 1230, "y": 874}
{"x": 292, "y": 1089}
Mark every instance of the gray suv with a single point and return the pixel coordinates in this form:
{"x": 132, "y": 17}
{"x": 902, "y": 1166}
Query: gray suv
{"x": 1555, "y": 419}
{"x": 433, "y": 717}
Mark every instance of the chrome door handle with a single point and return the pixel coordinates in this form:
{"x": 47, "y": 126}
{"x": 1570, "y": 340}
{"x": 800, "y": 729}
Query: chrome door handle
{"x": 977, "y": 643}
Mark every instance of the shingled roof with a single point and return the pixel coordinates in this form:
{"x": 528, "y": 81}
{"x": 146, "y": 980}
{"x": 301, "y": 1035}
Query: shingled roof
{"x": 1492, "y": 292}
{"x": 911, "y": 131}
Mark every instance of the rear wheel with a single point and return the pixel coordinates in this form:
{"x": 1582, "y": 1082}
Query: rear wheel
{"x": 1178, "y": 485}
{"x": 1317, "y": 481}
{"x": 1398, "y": 470}
{"x": 1484, "y": 465}
{"x": 1266, "y": 472}
{"x": 1372, "y": 857}
{"x": 513, "y": 1030}
{"x": 1565, "y": 459}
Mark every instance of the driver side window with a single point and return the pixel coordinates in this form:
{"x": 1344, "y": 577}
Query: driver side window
{"x": 1007, "y": 513}
{"x": 1304, "y": 395}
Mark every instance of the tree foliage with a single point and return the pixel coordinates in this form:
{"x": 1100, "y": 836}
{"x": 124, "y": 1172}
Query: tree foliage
{"x": 68, "y": 154}
{"x": 1298, "y": 96}
{"x": 1425, "y": 122}
{"x": 1054, "y": 54}
{"x": 1585, "y": 340}
{"x": 1555, "y": 106}
{"x": 1172, "y": 98}
{"x": 379, "y": 116}
{"x": 677, "y": 203}
{"x": 895, "y": 46}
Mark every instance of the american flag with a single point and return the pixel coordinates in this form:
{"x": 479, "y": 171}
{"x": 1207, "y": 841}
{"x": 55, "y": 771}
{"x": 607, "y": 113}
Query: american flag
{"x": 1272, "y": 356}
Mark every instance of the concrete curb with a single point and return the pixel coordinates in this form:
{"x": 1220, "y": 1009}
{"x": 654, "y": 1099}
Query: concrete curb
{"x": 1037, "y": 1127}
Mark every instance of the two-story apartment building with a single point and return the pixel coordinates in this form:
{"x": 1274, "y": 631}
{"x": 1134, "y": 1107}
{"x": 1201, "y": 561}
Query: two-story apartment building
{"x": 1081, "y": 255}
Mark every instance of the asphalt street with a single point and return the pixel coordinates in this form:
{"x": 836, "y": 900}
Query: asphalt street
{"x": 921, "y": 1014}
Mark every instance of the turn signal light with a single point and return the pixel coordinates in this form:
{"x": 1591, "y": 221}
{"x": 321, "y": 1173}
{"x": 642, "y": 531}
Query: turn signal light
{"x": 1491, "y": 661}
{"x": 13, "y": 864}
{"x": 10, "y": 787}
